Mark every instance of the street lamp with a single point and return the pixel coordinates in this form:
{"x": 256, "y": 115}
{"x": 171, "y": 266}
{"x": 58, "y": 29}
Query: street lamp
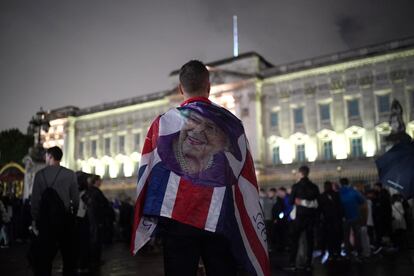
{"x": 36, "y": 125}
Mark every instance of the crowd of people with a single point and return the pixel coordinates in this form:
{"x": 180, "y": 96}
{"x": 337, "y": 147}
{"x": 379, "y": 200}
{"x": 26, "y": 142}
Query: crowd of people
{"x": 15, "y": 219}
{"x": 344, "y": 221}
{"x": 97, "y": 222}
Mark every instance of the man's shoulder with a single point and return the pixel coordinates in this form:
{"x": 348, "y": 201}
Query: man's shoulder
{"x": 314, "y": 185}
{"x": 66, "y": 170}
{"x": 294, "y": 186}
{"x": 63, "y": 171}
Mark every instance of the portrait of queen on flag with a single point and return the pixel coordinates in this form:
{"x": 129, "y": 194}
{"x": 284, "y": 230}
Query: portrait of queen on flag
{"x": 196, "y": 168}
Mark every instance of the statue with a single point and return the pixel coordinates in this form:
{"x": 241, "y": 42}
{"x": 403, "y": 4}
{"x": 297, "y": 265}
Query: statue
{"x": 397, "y": 125}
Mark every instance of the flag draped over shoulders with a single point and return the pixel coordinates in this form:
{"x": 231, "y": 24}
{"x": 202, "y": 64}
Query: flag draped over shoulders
{"x": 196, "y": 168}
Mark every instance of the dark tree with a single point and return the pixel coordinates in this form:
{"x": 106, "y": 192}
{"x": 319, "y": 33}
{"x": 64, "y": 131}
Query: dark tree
{"x": 14, "y": 145}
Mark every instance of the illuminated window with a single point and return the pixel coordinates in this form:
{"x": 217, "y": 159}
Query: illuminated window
{"x": 93, "y": 147}
{"x": 137, "y": 141}
{"x": 300, "y": 153}
{"x": 121, "y": 143}
{"x": 327, "y": 150}
{"x": 276, "y": 156}
{"x": 325, "y": 112}
{"x": 383, "y": 103}
{"x": 356, "y": 147}
{"x": 81, "y": 149}
{"x": 108, "y": 146}
{"x": 274, "y": 119}
{"x": 353, "y": 108}
{"x": 298, "y": 116}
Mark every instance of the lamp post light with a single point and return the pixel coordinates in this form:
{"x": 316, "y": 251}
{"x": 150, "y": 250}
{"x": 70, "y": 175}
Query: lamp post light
{"x": 339, "y": 170}
{"x": 38, "y": 123}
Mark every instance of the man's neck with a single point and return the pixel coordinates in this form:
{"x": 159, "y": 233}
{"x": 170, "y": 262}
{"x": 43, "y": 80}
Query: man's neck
{"x": 195, "y": 99}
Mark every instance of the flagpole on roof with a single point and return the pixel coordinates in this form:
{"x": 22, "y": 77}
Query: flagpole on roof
{"x": 235, "y": 37}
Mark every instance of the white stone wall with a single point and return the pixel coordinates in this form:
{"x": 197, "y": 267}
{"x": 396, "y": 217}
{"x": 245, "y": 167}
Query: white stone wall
{"x": 364, "y": 82}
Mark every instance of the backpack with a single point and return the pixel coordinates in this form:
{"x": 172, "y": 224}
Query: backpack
{"x": 52, "y": 211}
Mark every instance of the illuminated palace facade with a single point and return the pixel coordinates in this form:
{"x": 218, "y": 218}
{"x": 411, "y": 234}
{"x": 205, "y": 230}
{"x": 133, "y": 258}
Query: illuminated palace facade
{"x": 329, "y": 112}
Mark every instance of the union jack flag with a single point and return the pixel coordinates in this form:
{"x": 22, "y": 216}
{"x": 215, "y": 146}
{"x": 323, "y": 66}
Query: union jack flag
{"x": 221, "y": 196}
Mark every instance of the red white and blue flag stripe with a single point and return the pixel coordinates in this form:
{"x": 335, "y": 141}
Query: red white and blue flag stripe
{"x": 229, "y": 206}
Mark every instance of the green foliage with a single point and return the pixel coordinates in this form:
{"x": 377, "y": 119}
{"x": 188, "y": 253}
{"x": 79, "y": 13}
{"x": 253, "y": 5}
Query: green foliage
{"x": 14, "y": 145}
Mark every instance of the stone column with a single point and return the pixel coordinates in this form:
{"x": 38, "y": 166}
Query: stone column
{"x": 265, "y": 123}
{"x": 311, "y": 124}
{"x": 260, "y": 139}
{"x": 286, "y": 128}
{"x": 252, "y": 124}
{"x": 285, "y": 114}
{"x": 129, "y": 137}
{"x": 338, "y": 111}
{"x": 368, "y": 120}
{"x": 69, "y": 144}
{"x": 310, "y": 111}
{"x": 340, "y": 143}
{"x": 238, "y": 103}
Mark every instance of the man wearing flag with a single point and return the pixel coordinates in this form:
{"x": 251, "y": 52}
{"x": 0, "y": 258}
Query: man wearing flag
{"x": 197, "y": 186}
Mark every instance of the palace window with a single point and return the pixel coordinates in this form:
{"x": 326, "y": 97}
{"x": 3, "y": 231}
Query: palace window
{"x": 93, "y": 147}
{"x": 327, "y": 150}
{"x": 81, "y": 149}
{"x": 121, "y": 144}
{"x": 383, "y": 104}
{"x": 137, "y": 141}
{"x": 324, "y": 110}
{"x": 108, "y": 146}
{"x": 300, "y": 153}
{"x": 353, "y": 108}
{"x": 276, "y": 155}
{"x": 356, "y": 147}
{"x": 274, "y": 119}
{"x": 298, "y": 116}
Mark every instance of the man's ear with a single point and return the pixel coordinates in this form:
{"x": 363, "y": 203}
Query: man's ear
{"x": 208, "y": 89}
{"x": 180, "y": 88}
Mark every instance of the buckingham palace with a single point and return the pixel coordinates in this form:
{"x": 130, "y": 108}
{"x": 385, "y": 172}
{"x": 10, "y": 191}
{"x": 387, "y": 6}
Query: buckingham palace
{"x": 330, "y": 112}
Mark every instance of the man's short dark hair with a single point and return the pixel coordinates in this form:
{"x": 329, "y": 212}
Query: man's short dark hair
{"x": 304, "y": 170}
{"x": 344, "y": 181}
{"x": 328, "y": 186}
{"x": 55, "y": 152}
{"x": 93, "y": 178}
{"x": 194, "y": 77}
{"x": 282, "y": 189}
{"x": 273, "y": 190}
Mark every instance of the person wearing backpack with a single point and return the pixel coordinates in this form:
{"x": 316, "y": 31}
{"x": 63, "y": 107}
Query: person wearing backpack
{"x": 55, "y": 199}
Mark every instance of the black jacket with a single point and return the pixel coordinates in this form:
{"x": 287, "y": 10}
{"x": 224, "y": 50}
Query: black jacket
{"x": 305, "y": 189}
{"x": 330, "y": 206}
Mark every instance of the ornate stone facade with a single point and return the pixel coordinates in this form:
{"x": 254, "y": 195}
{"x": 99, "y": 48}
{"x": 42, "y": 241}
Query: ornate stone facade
{"x": 330, "y": 113}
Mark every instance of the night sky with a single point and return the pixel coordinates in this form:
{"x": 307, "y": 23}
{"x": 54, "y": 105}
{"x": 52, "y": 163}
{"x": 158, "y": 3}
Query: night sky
{"x": 83, "y": 53}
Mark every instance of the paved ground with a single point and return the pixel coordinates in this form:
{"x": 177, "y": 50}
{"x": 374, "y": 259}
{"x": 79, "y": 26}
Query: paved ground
{"x": 118, "y": 262}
